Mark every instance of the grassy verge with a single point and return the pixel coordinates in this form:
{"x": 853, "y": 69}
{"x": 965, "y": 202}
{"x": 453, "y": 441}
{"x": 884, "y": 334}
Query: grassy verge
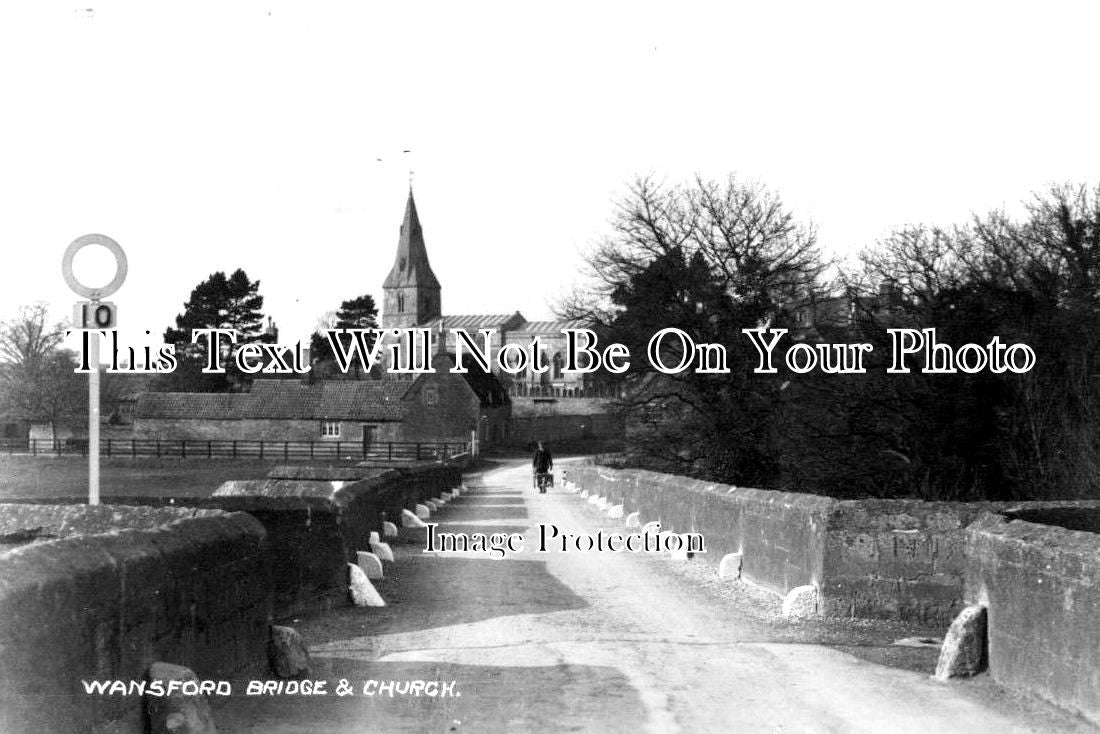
{"x": 67, "y": 476}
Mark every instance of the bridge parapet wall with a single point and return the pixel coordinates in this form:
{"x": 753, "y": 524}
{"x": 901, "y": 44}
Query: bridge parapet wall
{"x": 874, "y": 558}
{"x": 1040, "y": 585}
{"x": 99, "y": 593}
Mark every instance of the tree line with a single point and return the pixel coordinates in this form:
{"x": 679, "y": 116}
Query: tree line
{"x": 715, "y": 257}
{"x": 39, "y": 384}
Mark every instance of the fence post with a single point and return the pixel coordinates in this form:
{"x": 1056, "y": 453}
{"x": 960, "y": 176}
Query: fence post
{"x": 133, "y": 448}
{"x": 418, "y": 451}
{"x": 183, "y": 449}
{"x": 261, "y": 449}
{"x": 337, "y": 450}
{"x": 389, "y": 451}
{"x": 108, "y": 448}
{"x": 311, "y": 449}
{"x": 286, "y": 450}
{"x": 234, "y": 448}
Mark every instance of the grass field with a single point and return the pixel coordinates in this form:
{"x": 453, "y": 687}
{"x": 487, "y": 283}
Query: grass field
{"x": 67, "y": 476}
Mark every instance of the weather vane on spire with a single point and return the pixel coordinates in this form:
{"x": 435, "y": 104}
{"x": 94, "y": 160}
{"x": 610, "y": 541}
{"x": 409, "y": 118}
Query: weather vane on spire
{"x": 411, "y": 172}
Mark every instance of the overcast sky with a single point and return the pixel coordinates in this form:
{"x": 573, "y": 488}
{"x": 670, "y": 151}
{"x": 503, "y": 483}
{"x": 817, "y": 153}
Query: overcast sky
{"x": 209, "y": 136}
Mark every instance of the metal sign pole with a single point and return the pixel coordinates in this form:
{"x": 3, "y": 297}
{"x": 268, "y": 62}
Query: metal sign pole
{"x": 93, "y": 418}
{"x": 93, "y": 316}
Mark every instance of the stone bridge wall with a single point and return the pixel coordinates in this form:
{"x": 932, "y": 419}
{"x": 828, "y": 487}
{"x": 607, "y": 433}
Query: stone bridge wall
{"x": 875, "y": 558}
{"x": 781, "y": 535}
{"x": 102, "y": 592}
{"x": 1041, "y": 587}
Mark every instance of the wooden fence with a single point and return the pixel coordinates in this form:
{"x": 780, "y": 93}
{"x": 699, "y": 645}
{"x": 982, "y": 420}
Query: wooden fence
{"x": 223, "y": 449}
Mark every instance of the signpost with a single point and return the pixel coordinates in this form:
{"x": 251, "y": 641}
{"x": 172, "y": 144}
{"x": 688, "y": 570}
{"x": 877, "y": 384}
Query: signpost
{"x": 93, "y": 315}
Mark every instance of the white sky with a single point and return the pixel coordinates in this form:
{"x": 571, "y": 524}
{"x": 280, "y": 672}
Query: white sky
{"x": 208, "y": 136}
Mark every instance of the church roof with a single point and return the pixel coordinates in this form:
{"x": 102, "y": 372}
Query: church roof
{"x": 469, "y": 322}
{"x": 411, "y": 267}
{"x": 372, "y": 400}
{"x": 548, "y": 327}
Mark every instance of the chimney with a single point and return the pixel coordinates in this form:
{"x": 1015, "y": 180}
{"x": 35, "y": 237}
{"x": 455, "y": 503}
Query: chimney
{"x": 271, "y": 332}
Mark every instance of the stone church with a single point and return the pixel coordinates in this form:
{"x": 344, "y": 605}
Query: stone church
{"x": 412, "y": 297}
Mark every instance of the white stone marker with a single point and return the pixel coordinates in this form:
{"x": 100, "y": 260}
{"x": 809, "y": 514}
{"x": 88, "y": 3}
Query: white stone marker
{"x": 382, "y": 550}
{"x": 363, "y": 593}
{"x": 800, "y": 602}
{"x": 370, "y": 563}
{"x": 730, "y": 566}
{"x": 409, "y": 520}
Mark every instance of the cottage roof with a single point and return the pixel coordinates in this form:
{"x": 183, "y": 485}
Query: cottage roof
{"x": 370, "y": 400}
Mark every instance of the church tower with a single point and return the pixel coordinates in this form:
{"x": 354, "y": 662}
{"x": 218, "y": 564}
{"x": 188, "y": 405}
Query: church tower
{"x": 410, "y": 292}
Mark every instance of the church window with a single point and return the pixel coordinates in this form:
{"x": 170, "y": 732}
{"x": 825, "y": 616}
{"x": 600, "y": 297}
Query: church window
{"x": 330, "y": 429}
{"x": 431, "y": 395}
{"x": 400, "y": 302}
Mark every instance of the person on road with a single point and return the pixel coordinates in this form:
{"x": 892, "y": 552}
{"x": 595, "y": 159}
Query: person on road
{"x": 542, "y": 464}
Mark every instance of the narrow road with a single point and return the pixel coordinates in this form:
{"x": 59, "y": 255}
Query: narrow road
{"x": 592, "y": 642}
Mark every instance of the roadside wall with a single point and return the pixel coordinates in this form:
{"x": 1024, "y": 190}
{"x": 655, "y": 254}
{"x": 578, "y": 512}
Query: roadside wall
{"x": 781, "y": 535}
{"x": 1041, "y": 587}
{"x": 887, "y": 559}
{"x": 316, "y": 526}
{"x": 896, "y": 559}
{"x": 177, "y": 585}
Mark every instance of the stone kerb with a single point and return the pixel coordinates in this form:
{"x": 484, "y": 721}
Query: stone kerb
{"x": 195, "y": 590}
{"x": 1041, "y": 587}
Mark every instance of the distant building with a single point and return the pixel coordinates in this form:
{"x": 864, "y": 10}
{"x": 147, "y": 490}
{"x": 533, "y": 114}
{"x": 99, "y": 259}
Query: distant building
{"x": 412, "y": 297}
{"x": 440, "y": 406}
{"x": 848, "y": 312}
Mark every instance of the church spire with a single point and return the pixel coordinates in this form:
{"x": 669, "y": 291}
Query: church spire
{"x": 411, "y": 290}
{"x": 411, "y": 268}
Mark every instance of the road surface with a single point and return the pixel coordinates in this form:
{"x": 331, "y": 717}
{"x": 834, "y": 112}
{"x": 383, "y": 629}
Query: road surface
{"x": 592, "y": 642}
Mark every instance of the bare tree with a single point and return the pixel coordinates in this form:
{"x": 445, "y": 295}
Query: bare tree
{"x": 37, "y": 380}
{"x": 709, "y": 258}
{"x": 29, "y": 337}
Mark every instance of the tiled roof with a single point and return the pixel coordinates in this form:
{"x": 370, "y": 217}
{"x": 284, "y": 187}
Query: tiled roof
{"x": 477, "y": 321}
{"x": 374, "y": 400}
{"x": 548, "y": 327}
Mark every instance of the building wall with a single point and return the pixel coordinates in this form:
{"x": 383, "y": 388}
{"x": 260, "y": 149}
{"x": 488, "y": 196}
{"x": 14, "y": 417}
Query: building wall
{"x": 443, "y": 406}
{"x": 259, "y": 430}
{"x": 555, "y": 428}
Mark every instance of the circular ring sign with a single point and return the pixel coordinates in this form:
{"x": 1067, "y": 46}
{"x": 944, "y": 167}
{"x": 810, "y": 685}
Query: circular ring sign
{"x": 79, "y": 244}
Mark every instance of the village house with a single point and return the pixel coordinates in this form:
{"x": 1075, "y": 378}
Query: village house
{"x": 438, "y": 406}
